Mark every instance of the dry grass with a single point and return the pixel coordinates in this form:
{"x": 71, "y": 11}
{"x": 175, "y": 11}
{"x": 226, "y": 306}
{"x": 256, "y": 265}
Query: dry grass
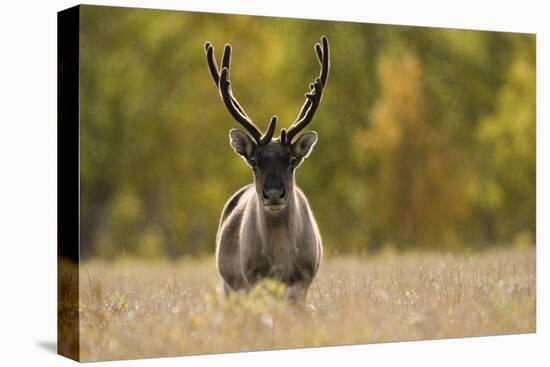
{"x": 134, "y": 309}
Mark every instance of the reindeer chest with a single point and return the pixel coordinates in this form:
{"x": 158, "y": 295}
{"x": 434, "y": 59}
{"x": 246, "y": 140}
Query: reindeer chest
{"x": 279, "y": 250}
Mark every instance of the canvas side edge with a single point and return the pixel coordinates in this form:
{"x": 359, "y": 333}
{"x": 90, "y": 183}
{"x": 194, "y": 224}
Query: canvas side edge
{"x": 68, "y": 330}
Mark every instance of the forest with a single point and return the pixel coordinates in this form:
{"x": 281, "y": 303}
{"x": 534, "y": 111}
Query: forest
{"x": 427, "y": 136}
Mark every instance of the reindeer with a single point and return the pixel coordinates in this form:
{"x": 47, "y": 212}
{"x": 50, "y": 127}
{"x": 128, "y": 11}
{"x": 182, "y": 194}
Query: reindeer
{"x": 267, "y": 229}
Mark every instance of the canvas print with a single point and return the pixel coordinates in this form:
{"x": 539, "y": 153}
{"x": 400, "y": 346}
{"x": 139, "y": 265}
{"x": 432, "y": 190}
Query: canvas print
{"x": 233, "y": 183}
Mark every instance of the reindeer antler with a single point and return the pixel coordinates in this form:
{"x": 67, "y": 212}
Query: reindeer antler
{"x": 221, "y": 79}
{"x": 313, "y": 97}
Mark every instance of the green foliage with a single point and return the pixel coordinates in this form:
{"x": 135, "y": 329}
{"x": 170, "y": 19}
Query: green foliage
{"x": 264, "y": 302}
{"x": 426, "y": 136}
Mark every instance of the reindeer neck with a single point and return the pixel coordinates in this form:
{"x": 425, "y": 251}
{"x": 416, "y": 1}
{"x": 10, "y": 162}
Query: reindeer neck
{"x": 278, "y": 240}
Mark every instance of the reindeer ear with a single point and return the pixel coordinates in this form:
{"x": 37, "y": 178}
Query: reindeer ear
{"x": 304, "y": 144}
{"x": 241, "y": 143}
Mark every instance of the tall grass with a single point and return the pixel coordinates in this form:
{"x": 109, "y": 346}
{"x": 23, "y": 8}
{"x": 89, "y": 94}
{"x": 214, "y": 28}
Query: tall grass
{"x": 133, "y": 309}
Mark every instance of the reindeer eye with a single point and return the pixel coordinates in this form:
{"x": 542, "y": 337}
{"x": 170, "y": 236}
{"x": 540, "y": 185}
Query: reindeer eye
{"x": 293, "y": 161}
{"x": 253, "y": 162}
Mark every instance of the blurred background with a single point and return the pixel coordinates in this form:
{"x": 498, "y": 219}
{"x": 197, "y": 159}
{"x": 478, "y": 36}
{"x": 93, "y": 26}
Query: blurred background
{"x": 426, "y": 135}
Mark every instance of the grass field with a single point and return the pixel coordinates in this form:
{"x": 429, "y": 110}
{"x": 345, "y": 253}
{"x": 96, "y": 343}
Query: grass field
{"x": 134, "y": 309}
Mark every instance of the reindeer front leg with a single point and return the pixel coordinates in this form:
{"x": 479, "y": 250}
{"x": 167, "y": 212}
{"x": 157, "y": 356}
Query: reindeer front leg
{"x": 254, "y": 269}
{"x": 299, "y": 283}
{"x": 297, "y": 292}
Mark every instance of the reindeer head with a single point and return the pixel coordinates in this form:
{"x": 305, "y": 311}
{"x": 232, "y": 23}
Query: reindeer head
{"x": 272, "y": 160}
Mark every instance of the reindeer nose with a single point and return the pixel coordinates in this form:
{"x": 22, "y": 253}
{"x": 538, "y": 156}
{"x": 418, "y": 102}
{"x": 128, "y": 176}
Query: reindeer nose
{"x": 274, "y": 194}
